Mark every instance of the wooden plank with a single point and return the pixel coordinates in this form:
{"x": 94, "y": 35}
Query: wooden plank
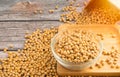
{"x": 14, "y": 32}
{"x": 16, "y": 45}
{"x": 11, "y": 10}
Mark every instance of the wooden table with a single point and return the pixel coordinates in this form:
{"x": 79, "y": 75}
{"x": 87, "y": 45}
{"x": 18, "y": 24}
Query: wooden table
{"x": 15, "y": 20}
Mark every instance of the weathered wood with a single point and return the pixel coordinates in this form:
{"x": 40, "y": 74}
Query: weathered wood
{"x": 14, "y": 32}
{"x": 10, "y": 10}
{"x": 12, "y": 18}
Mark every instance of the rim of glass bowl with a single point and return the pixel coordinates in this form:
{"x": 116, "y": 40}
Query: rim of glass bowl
{"x": 53, "y": 42}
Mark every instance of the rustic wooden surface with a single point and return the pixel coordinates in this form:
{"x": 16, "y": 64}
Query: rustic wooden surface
{"x": 8, "y": 11}
{"x": 14, "y": 32}
{"x": 14, "y": 21}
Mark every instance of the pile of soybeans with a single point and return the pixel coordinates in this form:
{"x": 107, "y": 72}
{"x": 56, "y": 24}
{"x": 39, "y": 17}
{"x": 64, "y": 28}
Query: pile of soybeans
{"x": 36, "y": 59}
{"x": 77, "y": 46}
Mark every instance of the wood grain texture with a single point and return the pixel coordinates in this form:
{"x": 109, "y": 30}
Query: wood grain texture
{"x": 14, "y": 32}
{"x": 8, "y": 11}
{"x": 14, "y": 21}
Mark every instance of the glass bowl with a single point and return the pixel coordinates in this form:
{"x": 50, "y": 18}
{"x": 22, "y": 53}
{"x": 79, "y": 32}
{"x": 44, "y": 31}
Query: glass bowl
{"x": 71, "y": 65}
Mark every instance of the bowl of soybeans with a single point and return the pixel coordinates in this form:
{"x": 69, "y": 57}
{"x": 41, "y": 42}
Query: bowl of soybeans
{"x": 76, "y": 49}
